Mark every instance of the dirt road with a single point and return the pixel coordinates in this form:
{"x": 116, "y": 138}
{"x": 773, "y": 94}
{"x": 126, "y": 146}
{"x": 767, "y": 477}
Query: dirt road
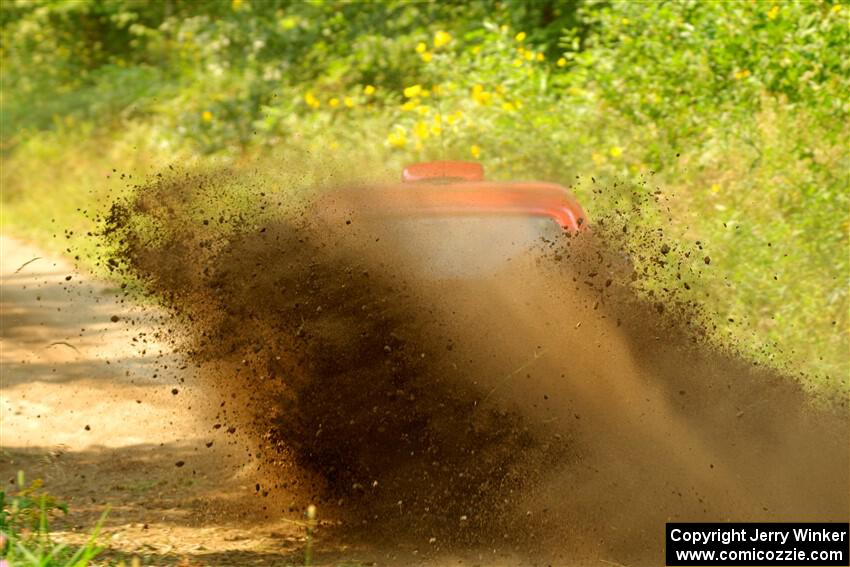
{"x": 93, "y": 403}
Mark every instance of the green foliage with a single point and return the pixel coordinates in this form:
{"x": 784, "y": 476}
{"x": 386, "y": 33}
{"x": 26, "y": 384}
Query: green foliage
{"x": 24, "y": 532}
{"x": 736, "y": 111}
{"x": 690, "y": 60}
{"x": 28, "y": 508}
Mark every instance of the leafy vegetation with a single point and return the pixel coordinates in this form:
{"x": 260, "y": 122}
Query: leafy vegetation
{"x": 24, "y": 532}
{"x": 737, "y": 111}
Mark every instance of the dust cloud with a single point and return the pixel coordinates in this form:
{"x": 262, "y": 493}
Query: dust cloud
{"x": 465, "y": 392}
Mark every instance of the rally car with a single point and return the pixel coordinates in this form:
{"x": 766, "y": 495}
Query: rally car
{"x": 456, "y": 223}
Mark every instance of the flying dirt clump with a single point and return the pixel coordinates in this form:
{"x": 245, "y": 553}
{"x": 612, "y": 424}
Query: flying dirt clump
{"x": 544, "y": 409}
{"x": 340, "y": 364}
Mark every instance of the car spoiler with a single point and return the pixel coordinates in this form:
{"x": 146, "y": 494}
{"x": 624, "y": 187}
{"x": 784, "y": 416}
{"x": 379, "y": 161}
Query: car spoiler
{"x": 458, "y": 188}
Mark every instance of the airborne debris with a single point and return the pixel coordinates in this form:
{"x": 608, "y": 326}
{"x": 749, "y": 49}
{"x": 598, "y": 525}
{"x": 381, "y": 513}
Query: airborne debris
{"x": 344, "y": 323}
{"x": 27, "y": 263}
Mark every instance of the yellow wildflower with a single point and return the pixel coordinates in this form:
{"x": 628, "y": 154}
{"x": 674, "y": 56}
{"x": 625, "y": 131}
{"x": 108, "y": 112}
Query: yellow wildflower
{"x": 334, "y": 102}
{"x": 348, "y": 102}
{"x": 517, "y": 62}
{"x": 508, "y": 107}
{"x": 715, "y": 188}
{"x": 413, "y": 91}
{"x": 475, "y": 151}
{"x": 436, "y": 129}
{"x": 311, "y": 100}
{"x": 835, "y": 9}
{"x": 207, "y": 116}
{"x": 427, "y": 56}
{"x": 520, "y": 36}
{"x": 615, "y": 152}
{"x": 368, "y": 90}
{"x": 423, "y": 110}
{"x": 421, "y": 130}
{"x": 410, "y": 105}
{"x": 500, "y": 89}
{"x": 597, "y": 158}
{"x": 540, "y": 56}
{"x": 529, "y": 55}
{"x": 771, "y": 15}
{"x": 421, "y": 47}
{"x": 397, "y": 138}
{"x": 454, "y": 117}
{"x": 481, "y": 96}
{"x": 625, "y": 21}
{"x": 441, "y": 38}
{"x": 562, "y": 62}
{"x": 743, "y": 74}
{"x": 235, "y": 5}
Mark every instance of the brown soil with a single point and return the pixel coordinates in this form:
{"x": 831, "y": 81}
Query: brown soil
{"x": 87, "y": 405}
{"x": 543, "y": 415}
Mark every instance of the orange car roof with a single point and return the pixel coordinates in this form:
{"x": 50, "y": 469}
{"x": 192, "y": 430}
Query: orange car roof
{"x": 457, "y": 188}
